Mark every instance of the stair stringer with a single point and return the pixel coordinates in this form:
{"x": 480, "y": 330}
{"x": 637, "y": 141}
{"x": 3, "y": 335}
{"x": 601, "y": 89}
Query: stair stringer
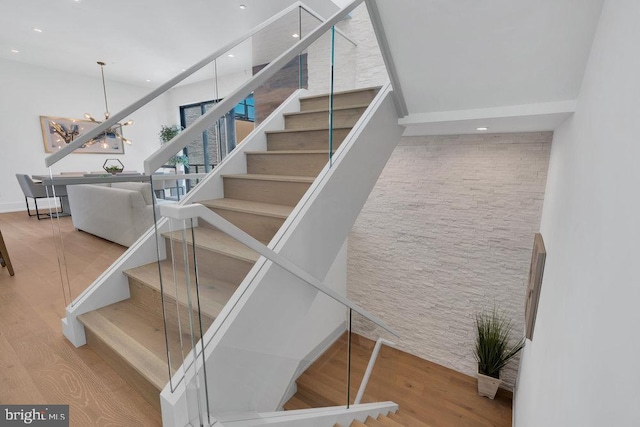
{"x": 316, "y": 417}
{"x": 112, "y": 285}
{"x": 253, "y": 350}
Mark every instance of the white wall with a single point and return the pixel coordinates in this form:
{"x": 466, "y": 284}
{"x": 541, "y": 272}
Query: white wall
{"x": 27, "y": 92}
{"x": 446, "y": 232}
{"x": 581, "y": 369}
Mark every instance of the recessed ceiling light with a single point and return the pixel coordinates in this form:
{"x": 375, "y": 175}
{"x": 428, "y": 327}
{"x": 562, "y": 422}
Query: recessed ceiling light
{"x": 243, "y": 6}
{"x": 483, "y": 128}
{"x": 37, "y": 30}
{"x": 184, "y": 69}
{"x": 148, "y": 80}
{"x": 14, "y": 51}
{"x": 231, "y": 55}
{"x": 295, "y": 35}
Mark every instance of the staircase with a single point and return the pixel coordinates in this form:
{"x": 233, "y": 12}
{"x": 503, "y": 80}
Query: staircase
{"x": 390, "y": 420}
{"x": 129, "y": 334}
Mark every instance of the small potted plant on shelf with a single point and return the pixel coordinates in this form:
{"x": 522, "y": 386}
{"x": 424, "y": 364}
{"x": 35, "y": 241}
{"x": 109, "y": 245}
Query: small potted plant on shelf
{"x": 167, "y": 133}
{"x": 493, "y": 350}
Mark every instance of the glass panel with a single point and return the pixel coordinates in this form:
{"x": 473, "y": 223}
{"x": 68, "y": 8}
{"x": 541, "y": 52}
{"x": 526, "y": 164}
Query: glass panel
{"x": 202, "y": 270}
{"x": 365, "y": 337}
{"x": 95, "y": 211}
{"x": 195, "y": 269}
{"x": 293, "y": 358}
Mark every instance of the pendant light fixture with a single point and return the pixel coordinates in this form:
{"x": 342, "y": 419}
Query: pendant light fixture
{"x": 114, "y": 131}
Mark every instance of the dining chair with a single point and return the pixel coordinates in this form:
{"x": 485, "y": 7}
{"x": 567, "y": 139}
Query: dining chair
{"x": 37, "y": 191}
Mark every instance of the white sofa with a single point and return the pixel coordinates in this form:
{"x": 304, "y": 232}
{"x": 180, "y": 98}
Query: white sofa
{"x": 120, "y": 212}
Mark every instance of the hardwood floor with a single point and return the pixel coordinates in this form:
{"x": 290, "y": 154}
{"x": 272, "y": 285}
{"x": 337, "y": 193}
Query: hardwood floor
{"x": 37, "y": 364}
{"x": 428, "y": 395}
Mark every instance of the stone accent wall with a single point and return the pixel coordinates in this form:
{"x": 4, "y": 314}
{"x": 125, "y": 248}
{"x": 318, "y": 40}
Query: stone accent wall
{"x": 447, "y": 230}
{"x": 354, "y": 66}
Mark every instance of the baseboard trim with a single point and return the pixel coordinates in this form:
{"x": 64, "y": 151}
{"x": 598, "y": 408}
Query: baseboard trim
{"x": 20, "y": 206}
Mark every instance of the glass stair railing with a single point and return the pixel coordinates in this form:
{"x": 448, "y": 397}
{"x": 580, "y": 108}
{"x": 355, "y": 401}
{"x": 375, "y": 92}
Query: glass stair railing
{"x": 165, "y": 307}
{"x": 265, "y": 337}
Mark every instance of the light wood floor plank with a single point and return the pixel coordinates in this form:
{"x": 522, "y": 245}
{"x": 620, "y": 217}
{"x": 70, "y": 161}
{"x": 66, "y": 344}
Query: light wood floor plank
{"x": 427, "y": 394}
{"x": 37, "y": 364}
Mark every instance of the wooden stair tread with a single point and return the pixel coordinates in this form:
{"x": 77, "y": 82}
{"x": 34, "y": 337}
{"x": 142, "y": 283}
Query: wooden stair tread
{"x": 296, "y": 152}
{"x": 149, "y": 363}
{"x": 342, "y": 92}
{"x": 285, "y": 178}
{"x": 372, "y": 422}
{"x": 409, "y": 420}
{"x": 214, "y": 294}
{"x": 395, "y": 417}
{"x": 323, "y": 110}
{"x": 258, "y": 208}
{"x": 214, "y": 240}
{"x": 386, "y": 421}
{"x": 295, "y": 403}
{"x": 357, "y": 423}
{"x": 306, "y": 129}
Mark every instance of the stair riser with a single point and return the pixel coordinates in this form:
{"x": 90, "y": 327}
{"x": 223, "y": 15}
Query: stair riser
{"x": 260, "y": 227}
{"x": 339, "y": 100}
{"x": 150, "y": 393}
{"x": 287, "y": 164}
{"x": 265, "y": 191}
{"x": 149, "y": 298}
{"x": 309, "y": 140}
{"x": 341, "y": 118}
{"x": 212, "y": 264}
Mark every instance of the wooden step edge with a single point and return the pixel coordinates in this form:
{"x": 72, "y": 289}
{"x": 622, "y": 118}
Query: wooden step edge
{"x": 278, "y": 178}
{"x": 388, "y": 421}
{"x": 307, "y": 129}
{"x": 253, "y": 208}
{"x": 342, "y": 92}
{"x": 326, "y": 110}
{"x": 372, "y": 422}
{"x": 357, "y": 423}
{"x": 395, "y": 417}
{"x": 201, "y": 243}
{"x": 286, "y": 152}
{"x": 141, "y": 359}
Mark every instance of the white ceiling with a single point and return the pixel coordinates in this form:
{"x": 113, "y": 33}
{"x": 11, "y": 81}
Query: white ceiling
{"x": 139, "y": 40}
{"x": 451, "y": 55}
{"x": 456, "y": 55}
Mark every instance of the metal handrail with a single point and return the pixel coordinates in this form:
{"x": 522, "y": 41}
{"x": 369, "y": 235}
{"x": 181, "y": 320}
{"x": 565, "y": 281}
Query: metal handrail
{"x": 117, "y": 117}
{"x": 196, "y": 210}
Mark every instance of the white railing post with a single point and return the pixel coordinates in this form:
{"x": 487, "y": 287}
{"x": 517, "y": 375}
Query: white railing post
{"x": 367, "y": 373}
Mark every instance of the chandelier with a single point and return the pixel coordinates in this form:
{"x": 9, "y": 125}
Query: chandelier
{"x": 115, "y": 131}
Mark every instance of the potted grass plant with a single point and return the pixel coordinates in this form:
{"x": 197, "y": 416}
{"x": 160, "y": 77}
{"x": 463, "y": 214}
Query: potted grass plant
{"x": 493, "y": 349}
